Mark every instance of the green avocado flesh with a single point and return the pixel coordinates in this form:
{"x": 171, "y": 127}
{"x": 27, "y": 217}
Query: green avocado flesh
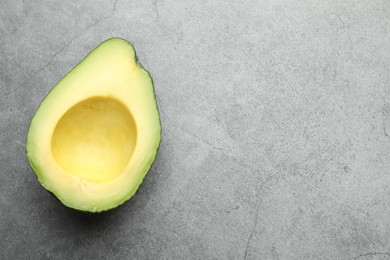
{"x": 95, "y": 135}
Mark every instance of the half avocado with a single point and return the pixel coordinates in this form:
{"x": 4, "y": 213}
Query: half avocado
{"x": 95, "y": 135}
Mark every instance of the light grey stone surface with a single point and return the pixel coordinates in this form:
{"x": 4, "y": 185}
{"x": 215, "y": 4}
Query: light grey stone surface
{"x": 276, "y": 129}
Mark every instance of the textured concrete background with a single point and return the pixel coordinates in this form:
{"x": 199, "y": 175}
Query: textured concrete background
{"x": 276, "y": 129}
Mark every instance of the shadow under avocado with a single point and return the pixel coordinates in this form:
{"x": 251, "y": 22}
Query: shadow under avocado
{"x": 86, "y": 221}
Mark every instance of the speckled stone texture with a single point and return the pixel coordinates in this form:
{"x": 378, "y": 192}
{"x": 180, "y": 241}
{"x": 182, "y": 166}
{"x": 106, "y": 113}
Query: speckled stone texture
{"x": 276, "y": 129}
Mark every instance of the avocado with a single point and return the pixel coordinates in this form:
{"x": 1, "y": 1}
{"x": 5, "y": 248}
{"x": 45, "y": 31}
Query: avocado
{"x": 95, "y": 135}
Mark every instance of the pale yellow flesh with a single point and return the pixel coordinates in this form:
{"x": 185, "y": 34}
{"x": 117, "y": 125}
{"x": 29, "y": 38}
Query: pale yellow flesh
{"x": 95, "y": 139}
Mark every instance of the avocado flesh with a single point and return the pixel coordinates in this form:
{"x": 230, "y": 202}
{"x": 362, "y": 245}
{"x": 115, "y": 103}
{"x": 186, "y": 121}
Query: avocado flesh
{"x": 95, "y": 139}
{"x": 95, "y": 135}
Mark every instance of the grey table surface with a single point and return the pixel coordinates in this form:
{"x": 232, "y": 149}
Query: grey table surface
{"x": 276, "y": 129}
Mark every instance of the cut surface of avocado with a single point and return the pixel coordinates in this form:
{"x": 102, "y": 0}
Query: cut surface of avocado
{"x": 95, "y": 139}
{"x": 95, "y": 135}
